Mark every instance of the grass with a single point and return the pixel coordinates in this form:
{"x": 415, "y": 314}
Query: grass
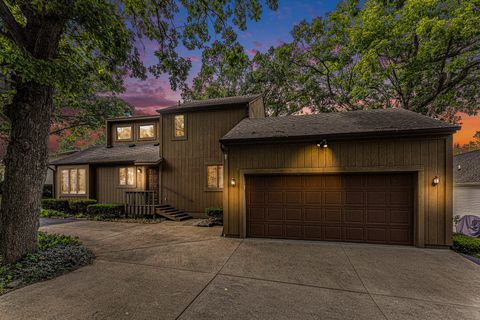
{"x": 56, "y": 255}
{"x": 467, "y": 245}
{"x": 51, "y": 213}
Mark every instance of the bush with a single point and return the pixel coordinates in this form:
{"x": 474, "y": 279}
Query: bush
{"x": 214, "y": 212}
{"x": 48, "y": 213}
{"x": 106, "y": 210}
{"x": 80, "y": 205}
{"x": 55, "y": 204}
{"x": 47, "y": 191}
{"x": 467, "y": 245}
{"x": 49, "y": 241}
{"x": 56, "y": 255}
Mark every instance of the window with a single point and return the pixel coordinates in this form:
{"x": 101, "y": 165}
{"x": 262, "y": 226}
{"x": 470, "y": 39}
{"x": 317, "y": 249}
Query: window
{"x": 179, "y": 126}
{"x": 215, "y": 177}
{"x": 146, "y": 131}
{"x": 126, "y": 176}
{"x": 74, "y": 181}
{"x": 124, "y": 133}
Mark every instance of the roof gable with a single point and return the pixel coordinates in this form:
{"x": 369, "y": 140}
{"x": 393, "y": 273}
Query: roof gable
{"x": 210, "y": 104}
{"x": 469, "y": 170}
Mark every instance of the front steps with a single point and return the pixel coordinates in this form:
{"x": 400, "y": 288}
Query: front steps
{"x": 171, "y": 213}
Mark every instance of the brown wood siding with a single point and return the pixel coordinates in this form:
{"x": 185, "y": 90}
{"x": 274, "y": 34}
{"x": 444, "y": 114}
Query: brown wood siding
{"x": 426, "y": 156}
{"x": 107, "y": 188}
{"x": 184, "y": 167}
{"x": 256, "y": 109}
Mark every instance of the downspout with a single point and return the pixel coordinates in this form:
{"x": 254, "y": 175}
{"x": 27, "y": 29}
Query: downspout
{"x": 226, "y": 186}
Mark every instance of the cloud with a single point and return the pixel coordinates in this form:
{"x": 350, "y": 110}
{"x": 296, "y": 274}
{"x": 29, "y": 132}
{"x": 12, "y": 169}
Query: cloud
{"x": 149, "y": 95}
{"x": 252, "y": 52}
{"x": 257, "y": 44}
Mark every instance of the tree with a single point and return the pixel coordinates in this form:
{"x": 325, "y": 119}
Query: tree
{"x": 74, "y": 49}
{"x": 225, "y": 67}
{"x": 420, "y": 55}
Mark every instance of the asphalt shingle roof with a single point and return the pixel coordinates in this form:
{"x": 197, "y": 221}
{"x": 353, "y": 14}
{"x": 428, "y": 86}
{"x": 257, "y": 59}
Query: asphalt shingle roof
{"x": 210, "y": 103}
{"x": 469, "y": 171}
{"x": 139, "y": 154}
{"x": 363, "y": 122}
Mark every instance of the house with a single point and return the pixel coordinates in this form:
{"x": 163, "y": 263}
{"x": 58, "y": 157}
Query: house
{"x": 377, "y": 176}
{"x": 466, "y": 187}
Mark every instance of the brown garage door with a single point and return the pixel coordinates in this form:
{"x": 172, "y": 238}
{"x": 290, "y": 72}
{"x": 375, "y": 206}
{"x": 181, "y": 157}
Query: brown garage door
{"x": 374, "y": 208}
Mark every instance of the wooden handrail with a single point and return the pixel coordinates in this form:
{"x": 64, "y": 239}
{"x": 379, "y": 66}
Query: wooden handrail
{"x": 140, "y": 203}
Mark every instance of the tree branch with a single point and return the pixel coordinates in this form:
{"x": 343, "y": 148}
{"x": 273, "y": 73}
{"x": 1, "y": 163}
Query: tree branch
{"x": 15, "y": 31}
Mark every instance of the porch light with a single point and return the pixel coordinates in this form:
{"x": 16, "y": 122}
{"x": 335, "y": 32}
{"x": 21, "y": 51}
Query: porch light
{"x": 322, "y": 144}
{"x": 139, "y": 170}
{"x": 233, "y": 183}
{"x": 435, "y": 181}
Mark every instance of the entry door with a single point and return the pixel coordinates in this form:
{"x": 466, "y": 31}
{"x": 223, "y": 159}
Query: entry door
{"x": 373, "y": 208}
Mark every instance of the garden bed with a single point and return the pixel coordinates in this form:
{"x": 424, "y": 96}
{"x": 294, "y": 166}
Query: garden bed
{"x": 56, "y": 255}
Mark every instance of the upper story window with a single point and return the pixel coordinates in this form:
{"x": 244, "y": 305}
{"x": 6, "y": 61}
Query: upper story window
{"x": 146, "y": 131}
{"x": 215, "y": 177}
{"x": 124, "y": 133}
{"x": 179, "y": 126}
{"x": 73, "y": 181}
{"x": 126, "y": 176}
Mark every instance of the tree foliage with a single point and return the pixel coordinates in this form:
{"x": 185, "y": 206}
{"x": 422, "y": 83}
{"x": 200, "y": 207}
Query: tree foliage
{"x": 71, "y": 53}
{"x": 420, "y": 55}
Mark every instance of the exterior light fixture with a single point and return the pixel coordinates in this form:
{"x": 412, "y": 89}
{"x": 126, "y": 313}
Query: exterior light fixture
{"x": 435, "y": 181}
{"x": 322, "y": 144}
{"x": 233, "y": 182}
{"x": 139, "y": 170}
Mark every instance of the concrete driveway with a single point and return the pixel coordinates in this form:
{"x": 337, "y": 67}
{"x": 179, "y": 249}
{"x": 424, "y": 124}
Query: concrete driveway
{"x": 178, "y": 271}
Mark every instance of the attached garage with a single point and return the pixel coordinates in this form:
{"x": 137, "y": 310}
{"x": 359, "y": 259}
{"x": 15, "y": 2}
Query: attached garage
{"x": 375, "y": 208}
{"x": 376, "y": 176}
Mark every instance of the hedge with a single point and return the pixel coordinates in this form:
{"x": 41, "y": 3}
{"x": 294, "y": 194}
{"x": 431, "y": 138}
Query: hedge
{"x": 466, "y": 244}
{"x": 56, "y": 204}
{"x": 80, "y": 205}
{"x": 106, "y": 210}
{"x": 214, "y": 212}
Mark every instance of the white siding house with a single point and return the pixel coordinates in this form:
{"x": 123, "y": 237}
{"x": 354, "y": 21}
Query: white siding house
{"x": 466, "y": 188}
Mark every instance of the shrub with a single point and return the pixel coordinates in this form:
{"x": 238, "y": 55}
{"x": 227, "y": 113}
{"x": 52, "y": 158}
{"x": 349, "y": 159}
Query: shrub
{"x": 49, "y": 241}
{"x": 214, "y": 212}
{"x": 105, "y": 210}
{"x": 47, "y": 191}
{"x": 55, "y": 204}
{"x": 80, "y": 205}
{"x": 48, "y": 213}
{"x": 467, "y": 245}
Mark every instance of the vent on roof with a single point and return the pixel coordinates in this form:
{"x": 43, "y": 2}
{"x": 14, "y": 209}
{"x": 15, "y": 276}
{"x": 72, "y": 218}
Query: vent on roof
{"x": 459, "y": 167}
{"x": 132, "y": 145}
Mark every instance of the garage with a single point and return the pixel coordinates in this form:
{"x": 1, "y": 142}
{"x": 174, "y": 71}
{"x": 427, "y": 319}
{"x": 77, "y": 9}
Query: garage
{"x": 369, "y": 176}
{"x": 373, "y": 208}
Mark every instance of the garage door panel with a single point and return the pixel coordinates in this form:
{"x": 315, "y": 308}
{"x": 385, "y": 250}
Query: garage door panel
{"x": 292, "y": 214}
{"x": 375, "y": 208}
{"x": 333, "y": 197}
{"x": 354, "y": 215}
{"x": 313, "y": 197}
{"x": 274, "y": 214}
{"x": 333, "y": 233}
{"x": 354, "y": 234}
{"x": 314, "y": 232}
{"x": 274, "y": 230}
{"x": 313, "y": 214}
{"x": 354, "y": 198}
{"x": 293, "y": 197}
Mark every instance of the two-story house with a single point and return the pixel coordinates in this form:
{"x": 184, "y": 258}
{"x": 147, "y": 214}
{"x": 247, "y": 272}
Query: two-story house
{"x": 175, "y": 156}
{"x": 377, "y": 176}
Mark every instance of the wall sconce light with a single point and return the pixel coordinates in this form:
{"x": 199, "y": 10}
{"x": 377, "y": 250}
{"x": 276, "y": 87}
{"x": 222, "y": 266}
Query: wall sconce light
{"x": 435, "y": 181}
{"x": 139, "y": 170}
{"x": 233, "y": 182}
{"x": 322, "y": 144}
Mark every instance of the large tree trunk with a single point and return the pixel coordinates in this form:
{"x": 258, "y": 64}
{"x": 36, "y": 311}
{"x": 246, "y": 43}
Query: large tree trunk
{"x": 26, "y": 165}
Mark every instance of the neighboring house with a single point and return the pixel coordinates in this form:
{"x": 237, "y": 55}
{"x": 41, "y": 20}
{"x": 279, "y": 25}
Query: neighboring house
{"x": 376, "y": 176}
{"x": 466, "y": 188}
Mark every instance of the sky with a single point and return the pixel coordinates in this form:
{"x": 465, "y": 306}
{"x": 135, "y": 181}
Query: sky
{"x": 272, "y": 30}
